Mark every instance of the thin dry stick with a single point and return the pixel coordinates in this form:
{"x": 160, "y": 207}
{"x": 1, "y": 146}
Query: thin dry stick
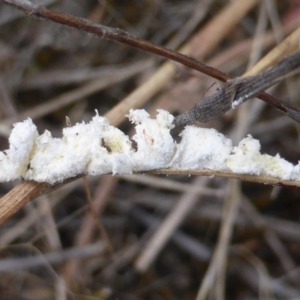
{"x": 112, "y": 34}
{"x": 265, "y": 179}
{"x": 237, "y": 91}
{"x": 212, "y": 33}
{"x": 286, "y": 47}
{"x": 21, "y": 226}
{"x": 227, "y": 57}
{"x": 19, "y": 195}
{"x": 249, "y": 85}
{"x": 125, "y": 38}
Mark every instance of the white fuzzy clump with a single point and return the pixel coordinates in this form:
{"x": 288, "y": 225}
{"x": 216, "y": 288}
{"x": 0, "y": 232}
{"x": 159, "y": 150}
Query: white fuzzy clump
{"x": 247, "y": 159}
{"x": 202, "y": 148}
{"x": 112, "y": 152}
{"x": 155, "y": 145}
{"x": 14, "y": 161}
{"x": 94, "y": 148}
{"x": 99, "y": 148}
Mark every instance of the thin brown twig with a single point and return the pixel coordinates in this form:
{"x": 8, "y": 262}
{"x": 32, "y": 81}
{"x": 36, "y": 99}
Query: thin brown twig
{"x": 238, "y": 91}
{"x": 124, "y": 37}
{"x": 19, "y": 196}
{"x": 212, "y": 33}
{"x": 28, "y": 190}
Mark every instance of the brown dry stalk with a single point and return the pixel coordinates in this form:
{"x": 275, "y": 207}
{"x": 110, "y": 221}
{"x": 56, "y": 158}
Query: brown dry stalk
{"x": 124, "y": 37}
{"x": 290, "y": 44}
{"x": 240, "y": 90}
{"x": 265, "y": 179}
{"x": 19, "y": 196}
{"x": 28, "y": 190}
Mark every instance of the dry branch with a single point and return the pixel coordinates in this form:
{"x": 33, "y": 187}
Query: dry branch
{"x": 124, "y": 37}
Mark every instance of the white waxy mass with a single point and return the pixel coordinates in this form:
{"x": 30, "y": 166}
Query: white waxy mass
{"x": 98, "y": 148}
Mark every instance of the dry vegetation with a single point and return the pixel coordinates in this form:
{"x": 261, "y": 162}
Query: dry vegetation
{"x": 149, "y": 237}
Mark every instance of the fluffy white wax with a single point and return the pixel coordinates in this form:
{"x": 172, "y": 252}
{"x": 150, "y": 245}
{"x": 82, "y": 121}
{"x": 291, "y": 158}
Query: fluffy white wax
{"x": 15, "y": 160}
{"x": 296, "y": 172}
{"x": 155, "y": 145}
{"x": 55, "y": 159}
{"x": 112, "y": 152}
{"x": 99, "y": 148}
{"x": 94, "y": 148}
{"x": 247, "y": 159}
{"x": 202, "y": 148}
